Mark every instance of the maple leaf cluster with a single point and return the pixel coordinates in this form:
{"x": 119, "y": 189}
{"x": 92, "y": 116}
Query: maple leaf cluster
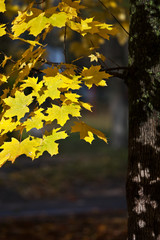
{"x": 25, "y": 104}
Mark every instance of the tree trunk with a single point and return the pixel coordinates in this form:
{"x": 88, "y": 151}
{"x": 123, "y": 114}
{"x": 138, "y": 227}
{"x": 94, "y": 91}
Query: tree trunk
{"x": 143, "y": 178}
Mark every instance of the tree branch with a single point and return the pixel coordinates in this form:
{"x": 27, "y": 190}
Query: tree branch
{"x": 111, "y": 60}
{"x": 117, "y": 74}
{"x": 79, "y": 69}
{"x": 115, "y": 68}
{"x": 121, "y": 75}
{"x": 49, "y": 62}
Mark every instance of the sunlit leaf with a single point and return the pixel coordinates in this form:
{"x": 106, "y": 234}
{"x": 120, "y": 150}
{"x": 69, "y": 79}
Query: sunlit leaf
{"x": 35, "y": 121}
{"x": 3, "y": 78}
{"x": 33, "y": 83}
{"x": 2, "y": 30}
{"x": 11, "y": 150}
{"x": 58, "y": 20}
{"x": 93, "y": 75}
{"x": 61, "y": 114}
{"x": 18, "y": 105}
{"x": 2, "y": 6}
{"x": 86, "y": 132}
{"x": 49, "y": 144}
{"x": 7, "y": 125}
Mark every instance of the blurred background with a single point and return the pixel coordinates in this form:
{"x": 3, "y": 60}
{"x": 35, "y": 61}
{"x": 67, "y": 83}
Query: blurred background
{"x": 79, "y": 194}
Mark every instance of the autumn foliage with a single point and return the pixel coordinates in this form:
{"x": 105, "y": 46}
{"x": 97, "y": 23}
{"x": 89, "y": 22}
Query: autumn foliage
{"x": 23, "y": 109}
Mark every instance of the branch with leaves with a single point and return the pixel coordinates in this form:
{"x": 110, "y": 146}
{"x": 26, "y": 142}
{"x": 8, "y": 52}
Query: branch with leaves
{"x": 24, "y": 103}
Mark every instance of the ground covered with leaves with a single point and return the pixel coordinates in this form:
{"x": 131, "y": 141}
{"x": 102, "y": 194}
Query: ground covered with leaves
{"x": 94, "y": 227}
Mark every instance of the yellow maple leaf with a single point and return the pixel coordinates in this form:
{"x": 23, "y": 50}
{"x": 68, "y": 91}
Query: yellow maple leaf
{"x": 86, "y": 132}
{"x": 37, "y": 24}
{"x": 93, "y": 58}
{"x": 3, "y": 78}
{"x": 94, "y": 27}
{"x": 93, "y": 75}
{"x": 50, "y": 71}
{"x": 18, "y": 105}
{"x": 56, "y": 84}
{"x": 70, "y": 7}
{"x": 75, "y": 26}
{"x": 73, "y": 97}
{"x": 62, "y": 113}
{"x": 2, "y": 6}
{"x": 33, "y": 83}
{"x": 48, "y": 142}
{"x": 35, "y": 121}
{"x": 58, "y": 19}
{"x": 53, "y": 84}
{"x": 6, "y": 125}
{"x": 89, "y": 138}
{"x": 70, "y": 82}
{"x": 2, "y": 29}
{"x": 19, "y": 28}
{"x": 87, "y": 106}
{"x": 82, "y": 27}
{"x": 11, "y": 150}
{"x": 85, "y": 24}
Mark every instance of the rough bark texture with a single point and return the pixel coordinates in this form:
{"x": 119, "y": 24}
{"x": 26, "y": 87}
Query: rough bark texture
{"x": 143, "y": 178}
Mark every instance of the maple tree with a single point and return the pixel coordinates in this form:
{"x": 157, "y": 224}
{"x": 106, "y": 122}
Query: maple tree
{"x": 23, "y": 109}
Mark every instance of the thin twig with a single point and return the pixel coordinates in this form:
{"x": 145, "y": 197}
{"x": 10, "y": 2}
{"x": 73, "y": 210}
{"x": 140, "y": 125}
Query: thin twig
{"x": 1, "y": 52}
{"x": 114, "y": 17}
{"x": 111, "y": 60}
{"x": 40, "y": 2}
{"x": 49, "y": 62}
{"x": 117, "y": 74}
{"x": 115, "y": 68}
{"x": 109, "y": 70}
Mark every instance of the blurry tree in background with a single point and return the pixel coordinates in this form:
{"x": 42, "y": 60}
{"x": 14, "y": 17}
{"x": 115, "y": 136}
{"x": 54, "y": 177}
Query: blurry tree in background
{"x": 81, "y": 36}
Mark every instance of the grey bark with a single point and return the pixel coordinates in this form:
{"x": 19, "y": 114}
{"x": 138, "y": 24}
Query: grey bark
{"x": 143, "y": 178}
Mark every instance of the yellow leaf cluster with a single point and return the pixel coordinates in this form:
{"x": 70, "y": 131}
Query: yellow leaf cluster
{"x": 61, "y": 114}
{"x": 36, "y": 96}
{"x": 11, "y": 150}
